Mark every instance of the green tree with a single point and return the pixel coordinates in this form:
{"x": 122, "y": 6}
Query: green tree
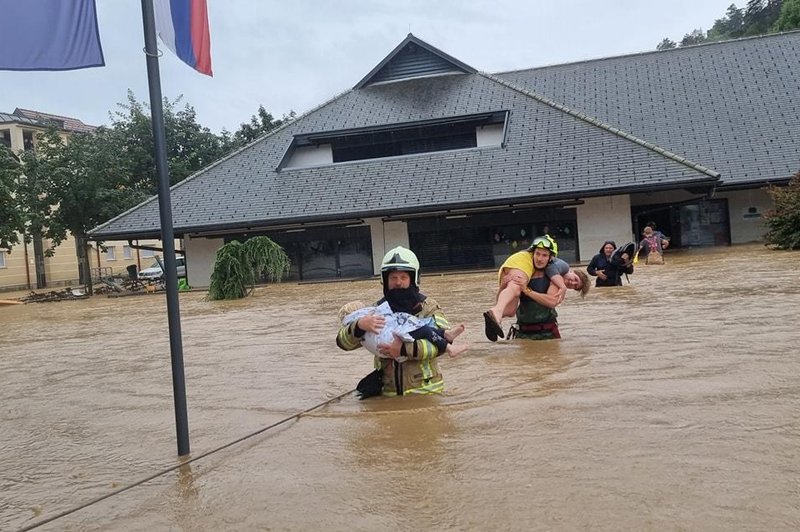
{"x": 695, "y": 37}
{"x": 789, "y": 17}
{"x": 71, "y": 187}
{"x": 32, "y": 195}
{"x": 190, "y": 146}
{"x": 11, "y": 221}
{"x": 79, "y": 185}
{"x": 783, "y": 223}
{"x": 755, "y": 18}
{"x": 731, "y": 26}
{"x": 772, "y": 11}
{"x": 666, "y": 44}
{"x": 260, "y": 124}
{"x": 238, "y": 266}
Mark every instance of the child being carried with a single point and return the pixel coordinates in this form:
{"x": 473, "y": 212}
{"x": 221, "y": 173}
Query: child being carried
{"x": 402, "y": 325}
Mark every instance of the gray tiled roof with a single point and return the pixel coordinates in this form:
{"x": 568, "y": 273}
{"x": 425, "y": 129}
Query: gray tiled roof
{"x": 549, "y": 154}
{"x": 9, "y": 118}
{"x": 67, "y": 123}
{"x": 730, "y": 106}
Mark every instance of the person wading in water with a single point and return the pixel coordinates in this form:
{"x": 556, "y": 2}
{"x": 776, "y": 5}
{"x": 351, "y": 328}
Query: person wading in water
{"x": 405, "y": 367}
{"x": 531, "y": 277}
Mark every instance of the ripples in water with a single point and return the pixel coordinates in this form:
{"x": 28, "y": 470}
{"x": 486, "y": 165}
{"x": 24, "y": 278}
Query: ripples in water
{"x": 671, "y": 403}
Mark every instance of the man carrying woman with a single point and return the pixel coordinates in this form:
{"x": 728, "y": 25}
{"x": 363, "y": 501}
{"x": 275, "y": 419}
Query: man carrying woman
{"x": 532, "y": 283}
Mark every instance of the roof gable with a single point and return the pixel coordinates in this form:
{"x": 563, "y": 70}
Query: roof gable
{"x": 414, "y": 58}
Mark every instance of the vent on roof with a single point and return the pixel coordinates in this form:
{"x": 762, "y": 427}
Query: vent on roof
{"x": 413, "y": 61}
{"x": 414, "y": 58}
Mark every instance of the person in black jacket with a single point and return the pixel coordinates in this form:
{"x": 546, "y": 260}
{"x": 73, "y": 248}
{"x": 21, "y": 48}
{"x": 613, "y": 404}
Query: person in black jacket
{"x": 607, "y": 268}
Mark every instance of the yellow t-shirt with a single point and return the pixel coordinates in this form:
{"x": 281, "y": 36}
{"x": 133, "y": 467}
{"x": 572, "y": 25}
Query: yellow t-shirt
{"x": 521, "y": 260}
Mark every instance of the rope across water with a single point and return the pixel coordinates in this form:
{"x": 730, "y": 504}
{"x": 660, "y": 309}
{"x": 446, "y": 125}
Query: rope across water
{"x": 183, "y": 463}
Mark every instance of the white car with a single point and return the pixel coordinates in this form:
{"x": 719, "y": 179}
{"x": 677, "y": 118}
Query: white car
{"x": 154, "y": 272}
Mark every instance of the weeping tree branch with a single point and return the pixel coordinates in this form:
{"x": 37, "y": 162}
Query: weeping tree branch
{"x": 238, "y": 266}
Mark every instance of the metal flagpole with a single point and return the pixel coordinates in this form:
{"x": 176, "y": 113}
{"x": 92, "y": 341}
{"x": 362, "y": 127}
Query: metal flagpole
{"x": 167, "y": 236}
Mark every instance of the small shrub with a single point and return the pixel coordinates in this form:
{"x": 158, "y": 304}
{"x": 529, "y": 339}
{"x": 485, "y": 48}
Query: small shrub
{"x": 783, "y": 223}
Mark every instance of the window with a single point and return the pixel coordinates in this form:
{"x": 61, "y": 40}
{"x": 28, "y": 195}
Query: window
{"x": 27, "y": 140}
{"x": 428, "y": 136}
{"x": 324, "y": 252}
{"x": 3, "y": 258}
{"x": 5, "y": 138}
{"x": 111, "y": 253}
{"x": 126, "y": 252}
{"x": 148, "y": 253}
{"x": 390, "y": 144}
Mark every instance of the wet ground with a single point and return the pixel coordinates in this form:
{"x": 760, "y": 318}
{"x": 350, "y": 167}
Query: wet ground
{"x": 671, "y": 403}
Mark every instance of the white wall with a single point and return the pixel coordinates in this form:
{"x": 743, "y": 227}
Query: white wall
{"x": 200, "y": 255}
{"x": 385, "y": 236}
{"x": 311, "y": 156}
{"x": 489, "y": 135}
{"x": 746, "y": 209}
{"x": 601, "y": 219}
{"x": 17, "y": 141}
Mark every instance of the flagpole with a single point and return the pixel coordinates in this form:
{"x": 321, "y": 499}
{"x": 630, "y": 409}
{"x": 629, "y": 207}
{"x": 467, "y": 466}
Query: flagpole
{"x": 167, "y": 235}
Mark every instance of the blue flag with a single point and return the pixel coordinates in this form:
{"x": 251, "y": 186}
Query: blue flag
{"x": 49, "y": 35}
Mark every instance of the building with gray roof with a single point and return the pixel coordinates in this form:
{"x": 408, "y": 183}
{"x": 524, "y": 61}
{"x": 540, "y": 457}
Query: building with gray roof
{"x": 466, "y": 167}
{"x": 63, "y": 123}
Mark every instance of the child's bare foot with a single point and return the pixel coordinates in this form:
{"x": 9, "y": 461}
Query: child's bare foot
{"x": 452, "y": 334}
{"x": 455, "y": 350}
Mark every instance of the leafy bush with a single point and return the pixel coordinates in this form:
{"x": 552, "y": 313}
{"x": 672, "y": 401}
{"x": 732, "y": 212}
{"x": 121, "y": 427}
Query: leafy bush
{"x": 783, "y": 223}
{"x": 238, "y": 266}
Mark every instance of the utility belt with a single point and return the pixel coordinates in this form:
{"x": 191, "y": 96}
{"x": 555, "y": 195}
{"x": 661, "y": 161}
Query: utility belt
{"x": 551, "y": 326}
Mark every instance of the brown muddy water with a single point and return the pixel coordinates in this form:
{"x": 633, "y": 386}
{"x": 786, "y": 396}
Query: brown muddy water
{"x": 671, "y": 403}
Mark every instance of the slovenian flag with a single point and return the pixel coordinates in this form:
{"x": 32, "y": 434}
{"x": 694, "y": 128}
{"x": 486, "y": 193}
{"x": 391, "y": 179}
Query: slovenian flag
{"x": 183, "y": 26}
{"x": 49, "y": 35}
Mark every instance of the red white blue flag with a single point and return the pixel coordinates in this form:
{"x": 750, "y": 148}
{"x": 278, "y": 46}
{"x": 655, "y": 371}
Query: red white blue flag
{"x": 49, "y": 35}
{"x": 183, "y": 26}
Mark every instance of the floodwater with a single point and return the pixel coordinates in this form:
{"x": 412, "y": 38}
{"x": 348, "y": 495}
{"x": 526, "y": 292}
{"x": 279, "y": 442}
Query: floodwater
{"x": 671, "y": 403}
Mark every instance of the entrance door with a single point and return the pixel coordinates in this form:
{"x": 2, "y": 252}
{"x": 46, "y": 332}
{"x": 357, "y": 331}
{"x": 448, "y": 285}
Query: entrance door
{"x": 704, "y": 223}
{"x": 697, "y": 223}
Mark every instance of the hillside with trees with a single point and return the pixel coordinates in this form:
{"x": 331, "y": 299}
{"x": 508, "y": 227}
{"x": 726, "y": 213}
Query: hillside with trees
{"x": 758, "y": 17}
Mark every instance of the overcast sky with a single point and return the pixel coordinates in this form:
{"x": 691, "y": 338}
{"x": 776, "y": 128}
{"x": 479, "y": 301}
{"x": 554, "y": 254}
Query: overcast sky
{"x": 296, "y": 54}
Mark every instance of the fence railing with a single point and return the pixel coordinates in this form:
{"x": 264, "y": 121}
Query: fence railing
{"x": 102, "y": 273}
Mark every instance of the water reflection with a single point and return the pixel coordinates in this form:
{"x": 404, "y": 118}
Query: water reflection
{"x": 186, "y": 504}
{"x": 670, "y": 403}
{"x": 399, "y": 440}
